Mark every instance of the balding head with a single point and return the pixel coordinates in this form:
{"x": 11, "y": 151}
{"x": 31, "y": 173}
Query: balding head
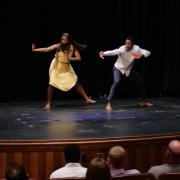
{"x": 117, "y": 156}
{"x": 173, "y": 151}
{"x": 174, "y": 146}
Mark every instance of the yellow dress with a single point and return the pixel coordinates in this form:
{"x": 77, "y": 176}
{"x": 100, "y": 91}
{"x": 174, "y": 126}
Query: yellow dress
{"x": 61, "y": 73}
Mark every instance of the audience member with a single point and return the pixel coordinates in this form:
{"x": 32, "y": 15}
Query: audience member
{"x": 172, "y": 160}
{"x": 16, "y": 172}
{"x": 98, "y": 170}
{"x": 73, "y": 168}
{"x": 116, "y": 159}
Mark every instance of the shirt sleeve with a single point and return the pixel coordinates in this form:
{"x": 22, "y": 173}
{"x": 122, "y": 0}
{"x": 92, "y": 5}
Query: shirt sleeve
{"x": 114, "y": 52}
{"x": 144, "y": 52}
{"x": 155, "y": 171}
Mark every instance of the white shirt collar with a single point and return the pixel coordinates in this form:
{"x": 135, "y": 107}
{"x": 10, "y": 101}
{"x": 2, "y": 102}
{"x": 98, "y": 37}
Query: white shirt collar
{"x": 73, "y": 165}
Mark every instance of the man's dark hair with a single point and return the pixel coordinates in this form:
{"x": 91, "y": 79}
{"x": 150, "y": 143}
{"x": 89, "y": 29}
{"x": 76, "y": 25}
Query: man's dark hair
{"x": 72, "y": 153}
{"x": 131, "y": 38}
{"x": 15, "y": 172}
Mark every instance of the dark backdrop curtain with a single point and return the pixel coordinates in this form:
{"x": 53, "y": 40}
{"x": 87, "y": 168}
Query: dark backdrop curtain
{"x": 102, "y": 25}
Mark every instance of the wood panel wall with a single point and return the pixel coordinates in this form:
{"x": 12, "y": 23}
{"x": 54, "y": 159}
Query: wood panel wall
{"x": 40, "y": 158}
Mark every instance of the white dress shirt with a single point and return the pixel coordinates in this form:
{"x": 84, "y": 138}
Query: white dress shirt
{"x": 164, "y": 168}
{"x": 118, "y": 172}
{"x": 70, "y": 170}
{"x": 125, "y": 60}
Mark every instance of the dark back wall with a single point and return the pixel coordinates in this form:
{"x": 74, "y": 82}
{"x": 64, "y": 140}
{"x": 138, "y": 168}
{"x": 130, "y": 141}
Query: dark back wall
{"x": 102, "y": 25}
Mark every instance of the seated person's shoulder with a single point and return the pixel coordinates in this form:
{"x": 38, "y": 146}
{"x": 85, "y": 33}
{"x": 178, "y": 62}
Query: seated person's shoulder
{"x": 132, "y": 171}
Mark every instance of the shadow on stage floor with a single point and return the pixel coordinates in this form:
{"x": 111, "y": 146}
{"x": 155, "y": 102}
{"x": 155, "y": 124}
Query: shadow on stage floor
{"x": 74, "y": 120}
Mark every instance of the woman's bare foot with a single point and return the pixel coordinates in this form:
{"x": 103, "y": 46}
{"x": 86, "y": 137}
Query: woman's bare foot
{"x": 109, "y": 107}
{"x": 46, "y": 107}
{"x": 90, "y": 101}
{"x": 146, "y": 103}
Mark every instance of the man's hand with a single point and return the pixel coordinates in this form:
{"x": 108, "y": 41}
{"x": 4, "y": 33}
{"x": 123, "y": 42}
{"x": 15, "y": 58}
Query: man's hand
{"x": 137, "y": 55}
{"x": 33, "y": 46}
{"x": 101, "y": 55}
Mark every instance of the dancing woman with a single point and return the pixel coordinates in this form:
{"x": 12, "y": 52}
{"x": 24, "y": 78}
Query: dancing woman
{"x": 61, "y": 73}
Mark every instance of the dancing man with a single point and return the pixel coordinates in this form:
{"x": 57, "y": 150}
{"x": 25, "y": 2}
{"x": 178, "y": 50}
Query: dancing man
{"x": 61, "y": 73}
{"x": 123, "y": 67}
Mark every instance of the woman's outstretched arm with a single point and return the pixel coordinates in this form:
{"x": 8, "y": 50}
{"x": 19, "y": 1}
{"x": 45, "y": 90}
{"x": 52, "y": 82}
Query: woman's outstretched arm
{"x": 45, "y": 49}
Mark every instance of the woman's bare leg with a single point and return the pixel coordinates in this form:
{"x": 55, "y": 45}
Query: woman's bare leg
{"x": 50, "y": 92}
{"x": 81, "y": 91}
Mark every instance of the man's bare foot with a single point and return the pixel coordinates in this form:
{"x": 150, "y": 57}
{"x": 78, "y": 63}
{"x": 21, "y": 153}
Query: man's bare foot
{"x": 46, "y": 107}
{"x": 109, "y": 107}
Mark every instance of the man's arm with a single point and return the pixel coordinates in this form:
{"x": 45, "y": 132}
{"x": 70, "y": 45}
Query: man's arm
{"x": 144, "y": 52}
{"x": 139, "y": 53}
{"x": 110, "y": 53}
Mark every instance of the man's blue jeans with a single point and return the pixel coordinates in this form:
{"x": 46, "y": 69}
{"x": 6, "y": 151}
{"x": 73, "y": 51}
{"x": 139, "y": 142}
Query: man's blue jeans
{"x": 134, "y": 77}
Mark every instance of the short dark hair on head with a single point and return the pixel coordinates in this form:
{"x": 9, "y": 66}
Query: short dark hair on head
{"x": 72, "y": 153}
{"x": 131, "y": 38}
{"x": 98, "y": 170}
{"x": 15, "y": 172}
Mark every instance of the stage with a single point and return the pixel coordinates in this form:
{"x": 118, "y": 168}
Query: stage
{"x": 72, "y": 119}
